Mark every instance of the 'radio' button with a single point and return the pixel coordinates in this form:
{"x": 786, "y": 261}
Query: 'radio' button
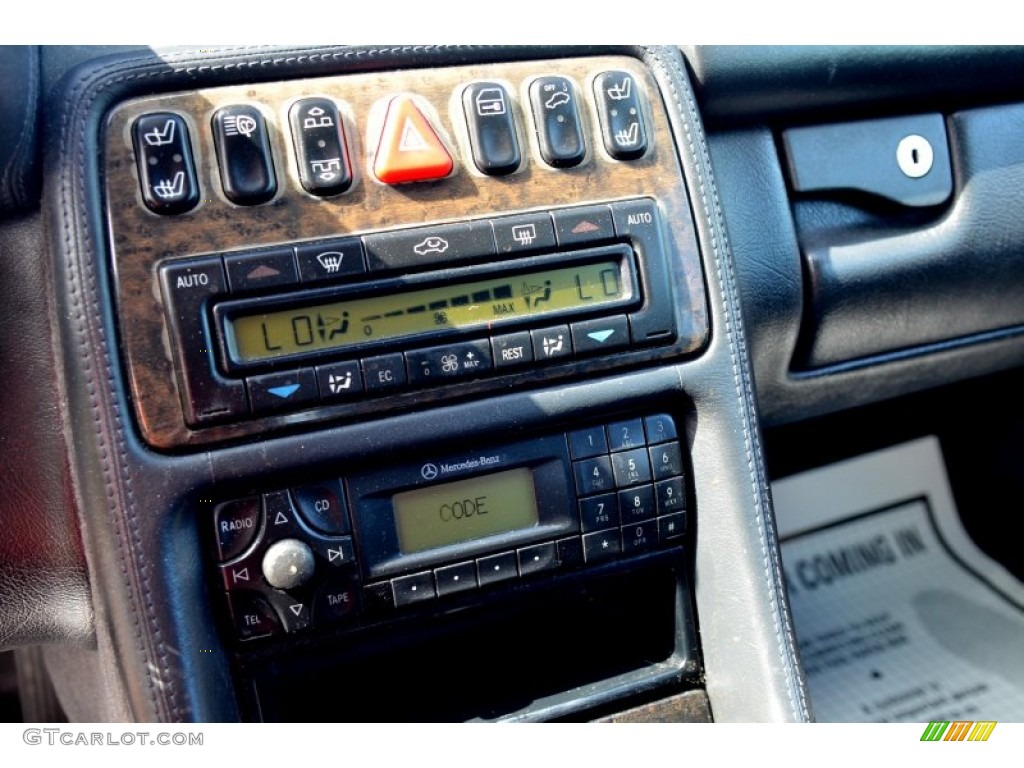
{"x": 238, "y": 523}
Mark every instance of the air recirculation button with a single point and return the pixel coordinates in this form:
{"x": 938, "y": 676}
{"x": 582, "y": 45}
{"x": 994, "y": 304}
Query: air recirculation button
{"x": 288, "y": 564}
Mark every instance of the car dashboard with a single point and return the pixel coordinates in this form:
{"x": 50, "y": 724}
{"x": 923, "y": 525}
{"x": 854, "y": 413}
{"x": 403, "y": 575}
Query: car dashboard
{"x": 449, "y": 383}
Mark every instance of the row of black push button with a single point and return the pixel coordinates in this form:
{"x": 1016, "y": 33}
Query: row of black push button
{"x": 395, "y": 371}
{"x": 634, "y": 520}
{"x": 167, "y": 169}
{"x": 350, "y": 258}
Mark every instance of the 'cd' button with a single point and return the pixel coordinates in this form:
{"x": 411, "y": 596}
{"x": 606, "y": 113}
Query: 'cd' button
{"x": 323, "y": 507}
{"x": 243, "y": 151}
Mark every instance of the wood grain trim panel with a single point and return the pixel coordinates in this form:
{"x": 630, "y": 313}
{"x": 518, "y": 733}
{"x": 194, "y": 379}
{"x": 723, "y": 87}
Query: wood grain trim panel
{"x": 140, "y": 240}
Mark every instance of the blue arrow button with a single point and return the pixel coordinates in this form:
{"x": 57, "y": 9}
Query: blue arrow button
{"x": 601, "y": 336}
{"x": 284, "y": 392}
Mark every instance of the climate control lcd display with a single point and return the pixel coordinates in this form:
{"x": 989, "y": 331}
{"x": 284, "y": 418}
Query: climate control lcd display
{"x": 259, "y": 337}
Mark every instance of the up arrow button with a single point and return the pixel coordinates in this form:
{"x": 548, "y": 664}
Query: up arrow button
{"x": 601, "y": 335}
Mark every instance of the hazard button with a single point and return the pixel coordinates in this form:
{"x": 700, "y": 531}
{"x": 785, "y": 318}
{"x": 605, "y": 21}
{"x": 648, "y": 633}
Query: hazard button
{"x": 409, "y": 149}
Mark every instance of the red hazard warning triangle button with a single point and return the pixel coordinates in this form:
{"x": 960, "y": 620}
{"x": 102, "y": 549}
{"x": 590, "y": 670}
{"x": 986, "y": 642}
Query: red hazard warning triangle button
{"x": 409, "y": 149}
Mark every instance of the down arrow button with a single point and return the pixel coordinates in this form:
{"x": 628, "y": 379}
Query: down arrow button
{"x": 604, "y": 334}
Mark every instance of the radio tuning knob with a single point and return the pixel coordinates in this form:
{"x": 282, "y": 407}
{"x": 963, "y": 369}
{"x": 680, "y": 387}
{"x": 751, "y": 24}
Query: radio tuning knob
{"x": 288, "y": 564}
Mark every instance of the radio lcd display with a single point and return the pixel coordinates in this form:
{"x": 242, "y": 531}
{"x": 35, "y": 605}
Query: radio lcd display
{"x": 437, "y": 516}
{"x": 264, "y": 336}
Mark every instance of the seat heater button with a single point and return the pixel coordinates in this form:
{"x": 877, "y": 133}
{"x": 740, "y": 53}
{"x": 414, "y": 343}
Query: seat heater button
{"x": 163, "y": 155}
{"x": 622, "y": 121}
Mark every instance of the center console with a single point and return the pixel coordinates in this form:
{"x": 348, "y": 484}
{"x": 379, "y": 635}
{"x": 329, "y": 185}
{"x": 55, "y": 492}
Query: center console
{"x": 429, "y": 391}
